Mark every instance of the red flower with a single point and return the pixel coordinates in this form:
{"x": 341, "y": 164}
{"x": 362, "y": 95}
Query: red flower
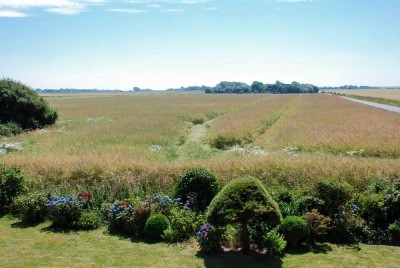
{"x": 84, "y": 196}
{"x": 124, "y": 204}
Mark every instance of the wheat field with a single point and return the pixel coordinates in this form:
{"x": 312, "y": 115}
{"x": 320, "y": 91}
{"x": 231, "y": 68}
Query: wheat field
{"x": 389, "y": 94}
{"x": 140, "y": 141}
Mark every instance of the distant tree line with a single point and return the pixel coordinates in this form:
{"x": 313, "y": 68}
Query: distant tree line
{"x": 138, "y": 89}
{"x": 259, "y": 87}
{"x": 75, "y": 90}
{"x": 349, "y": 87}
{"x": 191, "y": 88}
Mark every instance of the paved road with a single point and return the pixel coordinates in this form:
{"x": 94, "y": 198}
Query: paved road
{"x": 390, "y": 108}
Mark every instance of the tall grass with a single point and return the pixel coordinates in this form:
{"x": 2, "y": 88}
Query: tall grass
{"x": 103, "y": 143}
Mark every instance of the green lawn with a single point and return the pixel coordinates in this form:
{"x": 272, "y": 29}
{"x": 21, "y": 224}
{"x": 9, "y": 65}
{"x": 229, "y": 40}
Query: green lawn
{"x": 41, "y": 246}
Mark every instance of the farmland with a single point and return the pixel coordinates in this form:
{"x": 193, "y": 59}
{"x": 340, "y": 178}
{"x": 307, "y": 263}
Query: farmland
{"x": 136, "y": 146}
{"x": 142, "y": 142}
{"x": 385, "y": 96}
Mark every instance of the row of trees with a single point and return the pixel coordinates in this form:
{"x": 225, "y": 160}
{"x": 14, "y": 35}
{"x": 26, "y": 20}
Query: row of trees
{"x": 259, "y": 87}
{"x": 349, "y": 87}
{"x": 190, "y": 88}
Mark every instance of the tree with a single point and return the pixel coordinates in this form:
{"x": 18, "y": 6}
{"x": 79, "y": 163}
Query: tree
{"x": 197, "y": 185}
{"x": 23, "y": 106}
{"x": 258, "y": 87}
{"x": 242, "y": 200}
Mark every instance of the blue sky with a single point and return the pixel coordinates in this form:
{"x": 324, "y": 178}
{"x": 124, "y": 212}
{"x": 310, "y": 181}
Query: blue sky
{"x": 170, "y": 43}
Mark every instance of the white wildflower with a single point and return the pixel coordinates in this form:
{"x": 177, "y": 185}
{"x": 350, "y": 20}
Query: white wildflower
{"x": 155, "y": 148}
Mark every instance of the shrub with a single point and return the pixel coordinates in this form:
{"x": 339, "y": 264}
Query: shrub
{"x": 284, "y": 199}
{"x": 392, "y": 206}
{"x": 128, "y": 216}
{"x": 9, "y": 129}
{"x": 23, "y": 106}
{"x": 275, "y": 242}
{"x": 394, "y": 231}
{"x": 198, "y": 120}
{"x": 12, "y": 184}
{"x": 294, "y": 229}
{"x": 31, "y": 208}
{"x": 156, "y": 225}
{"x": 334, "y": 194}
{"x": 257, "y": 230}
{"x": 184, "y": 224}
{"x": 374, "y": 235}
{"x": 199, "y": 185}
{"x": 232, "y": 235}
{"x": 224, "y": 142}
{"x": 120, "y": 217}
{"x": 318, "y": 224}
{"x": 240, "y": 201}
{"x": 65, "y": 212}
{"x": 346, "y": 225}
{"x": 372, "y": 209}
{"x": 141, "y": 212}
{"x": 163, "y": 203}
{"x": 89, "y": 220}
{"x": 210, "y": 238}
{"x": 307, "y": 203}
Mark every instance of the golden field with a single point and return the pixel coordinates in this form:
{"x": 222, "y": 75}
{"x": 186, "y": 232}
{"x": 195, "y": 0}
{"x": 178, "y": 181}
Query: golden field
{"x": 389, "y": 94}
{"x": 140, "y": 141}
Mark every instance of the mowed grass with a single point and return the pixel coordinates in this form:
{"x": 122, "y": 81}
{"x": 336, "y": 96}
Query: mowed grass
{"x": 106, "y": 142}
{"x": 41, "y": 246}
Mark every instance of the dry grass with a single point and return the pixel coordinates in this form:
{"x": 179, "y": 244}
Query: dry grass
{"x": 389, "y": 94}
{"x": 247, "y": 123}
{"x": 102, "y": 141}
{"x": 327, "y": 123}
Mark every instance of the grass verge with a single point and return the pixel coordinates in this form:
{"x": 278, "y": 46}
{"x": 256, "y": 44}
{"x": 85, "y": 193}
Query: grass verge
{"x": 42, "y": 246}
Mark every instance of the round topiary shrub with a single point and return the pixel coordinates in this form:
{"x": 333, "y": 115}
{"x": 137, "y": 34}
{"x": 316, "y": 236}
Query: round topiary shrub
{"x": 306, "y": 203}
{"x": 240, "y": 201}
{"x": 294, "y": 229}
{"x": 198, "y": 186}
{"x": 155, "y": 226}
{"x": 334, "y": 194}
{"x": 22, "y": 106}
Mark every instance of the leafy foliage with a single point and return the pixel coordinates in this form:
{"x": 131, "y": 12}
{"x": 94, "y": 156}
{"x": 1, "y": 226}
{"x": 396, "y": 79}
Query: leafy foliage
{"x": 307, "y": 203}
{"x": 128, "y": 216}
{"x": 240, "y": 201}
{"x": 31, "y": 208}
{"x": 23, "y": 106}
{"x": 334, "y": 194}
{"x": 319, "y": 224}
{"x": 9, "y": 129}
{"x": 156, "y": 225}
{"x": 211, "y": 238}
{"x": 394, "y": 230}
{"x": 12, "y": 183}
{"x": 65, "y": 212}
{"x": 184, "y": 224}
{"x": 199, "y": 186}
{"x": 274, "y": 242}
{"x": 294, "y": 229}
{"x": 89, "y": 220}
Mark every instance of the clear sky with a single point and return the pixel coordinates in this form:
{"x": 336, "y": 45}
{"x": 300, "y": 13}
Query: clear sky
{"x": 171, "y": 43}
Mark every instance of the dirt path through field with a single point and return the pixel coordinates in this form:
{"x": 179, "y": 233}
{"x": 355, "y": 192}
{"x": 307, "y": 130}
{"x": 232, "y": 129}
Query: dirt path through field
{"x": 198, "y": 132}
